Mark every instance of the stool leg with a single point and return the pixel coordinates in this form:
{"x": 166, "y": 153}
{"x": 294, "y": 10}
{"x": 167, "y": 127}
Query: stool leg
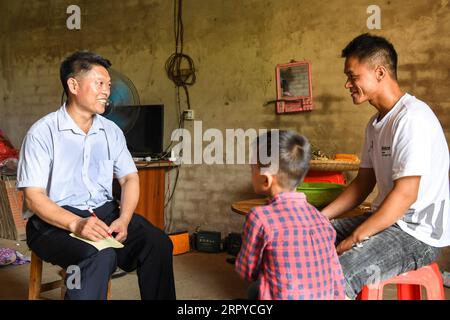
{"x": 62, "y": 274}
{"x": 435, "y": 286}
{"x": 34, "y": 285}
{"x": 63, "y": 292}
{"x": 108, "y": 293}
{"x": 408, "y": 292}
{"x": 363, "y": 294}
{"x": 371, "y": 292}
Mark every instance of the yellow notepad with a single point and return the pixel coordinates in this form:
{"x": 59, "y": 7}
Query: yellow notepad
{"x": 109, "y": 242}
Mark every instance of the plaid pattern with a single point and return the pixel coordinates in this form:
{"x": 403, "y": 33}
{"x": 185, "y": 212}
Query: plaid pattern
{"x": 289, "y": 246}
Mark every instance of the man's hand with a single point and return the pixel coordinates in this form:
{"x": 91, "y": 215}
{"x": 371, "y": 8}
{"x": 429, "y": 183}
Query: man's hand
{"x": 120, "y": 226}
{"x": 90, "y": 228}
{"x": 353, "y": 195}
{"x": 394, "y": 206}
{"x": 345, "y": 245}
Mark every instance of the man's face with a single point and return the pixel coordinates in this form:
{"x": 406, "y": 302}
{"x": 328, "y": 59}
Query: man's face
{"x": 361, "y": 80}
{"x": 93, "y": 89}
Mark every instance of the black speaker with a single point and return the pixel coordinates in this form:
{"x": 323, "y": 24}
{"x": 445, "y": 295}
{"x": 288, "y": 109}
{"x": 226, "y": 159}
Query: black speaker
{"x": 233, "y": 243}
{"x": 208, "y": 241}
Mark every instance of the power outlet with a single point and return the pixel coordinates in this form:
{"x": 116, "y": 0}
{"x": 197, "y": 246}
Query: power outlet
{"x": 188, "y": 114}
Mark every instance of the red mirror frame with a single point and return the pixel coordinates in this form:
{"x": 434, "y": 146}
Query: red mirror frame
{"x": 294, "y": 77}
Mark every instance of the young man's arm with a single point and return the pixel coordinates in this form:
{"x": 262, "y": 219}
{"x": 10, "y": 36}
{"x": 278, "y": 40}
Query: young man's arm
{"x": 353, "y": 195}
{"x": 39, "y": 203}
{"x": 128, "y": 203}
{"x": 394, "y": 206}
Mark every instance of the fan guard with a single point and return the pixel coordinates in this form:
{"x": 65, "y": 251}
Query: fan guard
{"x": 123, "y": 93}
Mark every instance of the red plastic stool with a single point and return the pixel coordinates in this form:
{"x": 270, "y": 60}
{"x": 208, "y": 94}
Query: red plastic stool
{"x": 409, "y": 285}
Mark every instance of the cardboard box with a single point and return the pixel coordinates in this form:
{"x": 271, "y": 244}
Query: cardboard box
{"x": 180, "y": 241}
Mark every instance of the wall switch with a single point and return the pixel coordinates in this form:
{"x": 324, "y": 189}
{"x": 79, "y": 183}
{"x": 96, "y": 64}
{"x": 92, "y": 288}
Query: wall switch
{"x": 188, "y": 114}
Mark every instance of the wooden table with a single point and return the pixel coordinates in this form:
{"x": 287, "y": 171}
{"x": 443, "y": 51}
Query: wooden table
{"x": 243, "y": 207}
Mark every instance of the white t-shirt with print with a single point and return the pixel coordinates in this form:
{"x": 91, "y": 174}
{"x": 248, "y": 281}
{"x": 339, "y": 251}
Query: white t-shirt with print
{"x": 409, "y": 141}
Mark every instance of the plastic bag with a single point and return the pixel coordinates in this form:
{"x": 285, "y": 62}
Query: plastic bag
{"x": 8, "y": 156}
{"x": 7, "y": 150}
{"x": 12, "y": 257}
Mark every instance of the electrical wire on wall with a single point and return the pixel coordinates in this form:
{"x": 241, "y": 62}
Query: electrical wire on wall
{"x": 180, "y": 67}
{"x": 181, "y": 70}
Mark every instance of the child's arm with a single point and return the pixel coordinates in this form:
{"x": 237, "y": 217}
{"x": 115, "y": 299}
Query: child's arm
{"x": 249, "y": 259}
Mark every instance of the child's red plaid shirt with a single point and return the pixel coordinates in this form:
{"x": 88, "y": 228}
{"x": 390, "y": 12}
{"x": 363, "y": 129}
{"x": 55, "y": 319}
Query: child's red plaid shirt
{"x": 289, "y": 246}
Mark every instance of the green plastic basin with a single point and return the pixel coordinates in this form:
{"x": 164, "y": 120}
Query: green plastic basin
{"x": 320, "y": 194}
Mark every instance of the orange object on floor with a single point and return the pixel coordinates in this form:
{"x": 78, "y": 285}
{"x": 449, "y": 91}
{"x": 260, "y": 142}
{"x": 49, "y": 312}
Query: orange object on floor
{"x": 180, "y": 241}
{"x": 409, "y": 285}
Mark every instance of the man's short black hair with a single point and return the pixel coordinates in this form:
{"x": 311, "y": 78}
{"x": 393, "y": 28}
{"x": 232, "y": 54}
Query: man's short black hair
{"x": 374, "y": 49}
{"x": 78, "y": 62}
{"x": 294, "y": 155}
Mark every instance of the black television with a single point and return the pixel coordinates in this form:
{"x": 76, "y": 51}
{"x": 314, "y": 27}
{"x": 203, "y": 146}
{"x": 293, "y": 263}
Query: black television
{"x": 143, "y": 127}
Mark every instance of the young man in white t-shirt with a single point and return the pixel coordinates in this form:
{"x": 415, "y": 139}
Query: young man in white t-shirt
{"x": 406, "y": 154}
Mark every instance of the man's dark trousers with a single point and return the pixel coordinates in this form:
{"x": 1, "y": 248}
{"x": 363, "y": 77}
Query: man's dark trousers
{"x": 147, "y": 249}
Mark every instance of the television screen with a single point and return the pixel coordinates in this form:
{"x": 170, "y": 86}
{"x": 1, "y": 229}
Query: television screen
{"x": 143, "y": 126}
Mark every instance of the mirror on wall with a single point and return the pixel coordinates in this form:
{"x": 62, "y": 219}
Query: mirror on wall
{"x": 294, "y": 87}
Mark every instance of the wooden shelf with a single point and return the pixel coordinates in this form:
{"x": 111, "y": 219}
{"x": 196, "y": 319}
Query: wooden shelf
{"x": 152, "y": 188}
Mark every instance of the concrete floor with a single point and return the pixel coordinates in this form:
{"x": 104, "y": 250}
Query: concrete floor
{"x": 198, "y": 276}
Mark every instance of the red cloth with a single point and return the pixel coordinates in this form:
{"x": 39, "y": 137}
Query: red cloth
{"x": 289, "y": 246}
{"x": 6, "y": 149}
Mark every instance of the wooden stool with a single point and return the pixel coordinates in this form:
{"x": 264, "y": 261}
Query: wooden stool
{"x": 36, "y": 287}
{"x": 409, "y": 285}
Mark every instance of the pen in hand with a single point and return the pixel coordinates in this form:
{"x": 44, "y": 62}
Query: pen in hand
{"x": 95, "y": 216}
{"x": 92, "y": 213}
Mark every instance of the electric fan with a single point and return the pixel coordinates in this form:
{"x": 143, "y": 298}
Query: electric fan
{"x": 123, "y": 93}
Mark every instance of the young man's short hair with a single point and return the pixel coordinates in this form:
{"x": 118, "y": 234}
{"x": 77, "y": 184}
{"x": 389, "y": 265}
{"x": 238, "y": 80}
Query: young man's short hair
{"x": 77, "y": 63}
{"x": 294, "y": 154}
{"x": 373, "y": 49}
